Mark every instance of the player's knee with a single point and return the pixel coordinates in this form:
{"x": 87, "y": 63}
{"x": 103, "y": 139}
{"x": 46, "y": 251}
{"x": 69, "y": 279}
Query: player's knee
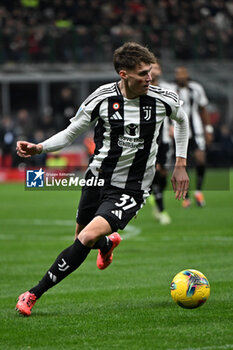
{"x": 89, "y": 237}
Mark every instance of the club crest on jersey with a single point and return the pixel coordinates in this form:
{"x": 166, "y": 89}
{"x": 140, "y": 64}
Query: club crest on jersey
{"x": 116, "y": 106}
{"x": 147, "y": 110}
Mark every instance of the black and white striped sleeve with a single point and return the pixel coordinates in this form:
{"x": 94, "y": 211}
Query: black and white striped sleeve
{"x": 87, "y": 113}
{"x": 181, "y": 131}
{"x": 82, "y": 120}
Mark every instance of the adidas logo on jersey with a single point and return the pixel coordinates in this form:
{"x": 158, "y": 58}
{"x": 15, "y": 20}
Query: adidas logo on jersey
{"x": 116, "y": 116}
{"x": 118, "y": 213}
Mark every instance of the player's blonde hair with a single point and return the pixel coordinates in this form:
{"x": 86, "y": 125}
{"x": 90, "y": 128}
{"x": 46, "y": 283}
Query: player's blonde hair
{"x": 131, "y": 54}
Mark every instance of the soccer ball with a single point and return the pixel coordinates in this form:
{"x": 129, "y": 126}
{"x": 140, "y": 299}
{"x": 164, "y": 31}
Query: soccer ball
{"x": 190, "y": 289}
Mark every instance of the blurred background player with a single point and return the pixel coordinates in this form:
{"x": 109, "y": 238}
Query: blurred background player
{"x": 195, "y": 101}
{"x": 164, "y": 141}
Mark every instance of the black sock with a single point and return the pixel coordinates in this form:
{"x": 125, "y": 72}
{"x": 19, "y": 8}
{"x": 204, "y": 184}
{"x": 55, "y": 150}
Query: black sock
{"x": 158, "y": 187}
{"x": 162, "y": 182}
{"x": 104, "y": 244}
{"x": 68, "y": 261}
{"x": 159, "y": 201}
{"x": 200, "y": 169}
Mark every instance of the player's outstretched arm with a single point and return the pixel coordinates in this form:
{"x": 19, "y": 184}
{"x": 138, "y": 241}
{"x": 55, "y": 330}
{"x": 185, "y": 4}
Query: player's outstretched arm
{"x": 27, "y": 149}
{"x": 180, "y": 179}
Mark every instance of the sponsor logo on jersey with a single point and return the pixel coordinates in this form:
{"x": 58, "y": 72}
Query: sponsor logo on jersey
{"x": 130, "y": 138}
{"x": 132, "y": 129}
{"x": 128, "y": 142}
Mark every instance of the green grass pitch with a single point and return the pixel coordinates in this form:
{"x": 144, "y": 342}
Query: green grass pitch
{"x": 127, "y": 306}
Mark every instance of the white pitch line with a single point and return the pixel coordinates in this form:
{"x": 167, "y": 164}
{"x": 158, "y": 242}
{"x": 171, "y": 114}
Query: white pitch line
{"x": 129, "y": 232}
{"x": 4, "y": 237}
{"x": 207, "y": 238}
{"x": 219, "y": 238}
{"x": 39, "y": 222}
{"x": 213, "y": 347}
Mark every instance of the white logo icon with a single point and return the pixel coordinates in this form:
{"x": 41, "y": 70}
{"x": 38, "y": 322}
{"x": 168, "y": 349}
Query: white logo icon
{"x": 116, "y": 116}
{"x": 52, "y": 276}
{"x": 132, "y": 129}
{"x": 35, "y": 178}
{"x": 147, "y": 110}
{"x": 64, "y": 266}
{"x": 118, "y": 213}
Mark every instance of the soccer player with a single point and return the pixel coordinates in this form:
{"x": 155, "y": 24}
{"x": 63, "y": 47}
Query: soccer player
{"x": 200, "y": 130}
{"x": 128, "y": 114}
{"x": 164, "y": 140}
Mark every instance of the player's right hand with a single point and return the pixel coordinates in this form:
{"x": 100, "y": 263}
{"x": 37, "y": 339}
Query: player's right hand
{"x": 27, "y": 149}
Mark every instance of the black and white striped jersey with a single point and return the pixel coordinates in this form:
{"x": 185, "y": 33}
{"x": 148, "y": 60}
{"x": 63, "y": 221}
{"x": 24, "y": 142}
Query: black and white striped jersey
{"x": 165, "y": 128}
{"x": 125, "y": 133}
{"x": 193, "y": 95}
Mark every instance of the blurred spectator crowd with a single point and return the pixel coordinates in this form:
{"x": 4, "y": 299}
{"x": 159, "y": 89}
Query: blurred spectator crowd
{"x": 90, "y": 30}
{"x": 24, "y": 124}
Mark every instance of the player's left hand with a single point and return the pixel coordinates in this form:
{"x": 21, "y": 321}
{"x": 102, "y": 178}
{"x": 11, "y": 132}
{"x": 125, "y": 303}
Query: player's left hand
{"x": 180, "y": 182}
